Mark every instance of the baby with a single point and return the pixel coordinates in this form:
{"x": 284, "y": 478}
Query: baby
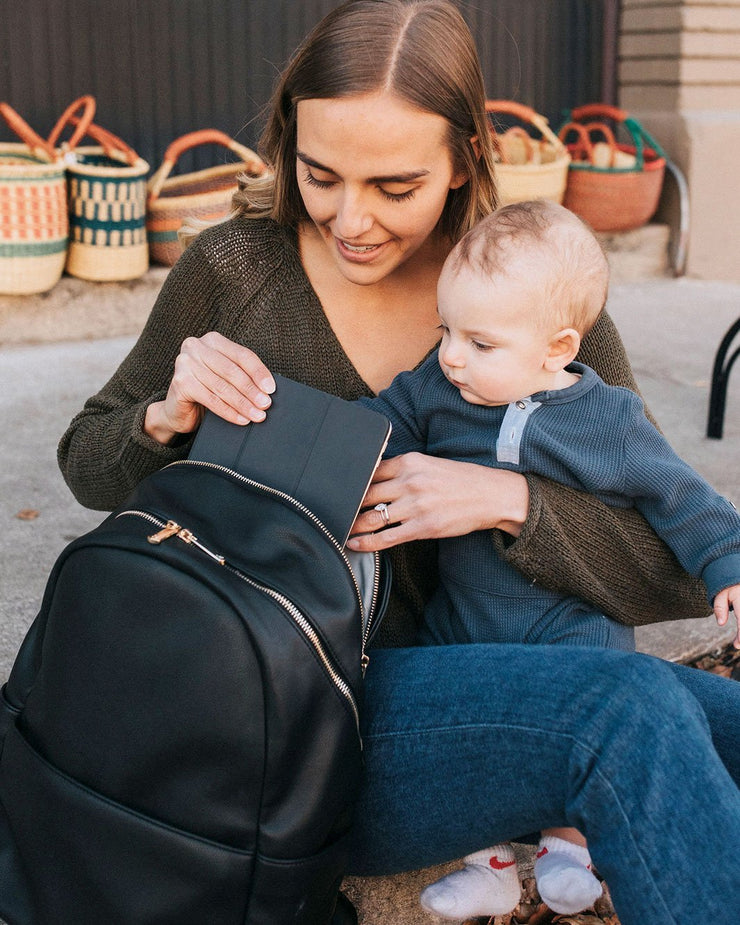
{"x": 516, "y": 297}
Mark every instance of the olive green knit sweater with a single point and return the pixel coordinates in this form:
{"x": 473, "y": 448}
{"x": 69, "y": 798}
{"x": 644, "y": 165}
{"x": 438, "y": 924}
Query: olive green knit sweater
{"x": 245, "y": 280}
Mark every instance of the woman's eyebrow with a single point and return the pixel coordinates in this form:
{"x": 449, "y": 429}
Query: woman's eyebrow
{"x": 407, "y": 177}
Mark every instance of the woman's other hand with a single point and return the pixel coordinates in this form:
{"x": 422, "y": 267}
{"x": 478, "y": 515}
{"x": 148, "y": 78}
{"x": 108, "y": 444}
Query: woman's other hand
{"x": 429, "y": 498}
{"x": 215, "y": 373}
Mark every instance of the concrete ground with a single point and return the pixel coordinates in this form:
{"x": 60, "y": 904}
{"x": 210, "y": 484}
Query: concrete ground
{"x": 671, "y": 329}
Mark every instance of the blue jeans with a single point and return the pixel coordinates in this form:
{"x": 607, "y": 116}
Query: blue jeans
{"x": 472, "y": 745}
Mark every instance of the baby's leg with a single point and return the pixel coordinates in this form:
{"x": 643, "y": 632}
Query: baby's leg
{"x": 563, "y": 872}
{"x": 487, "y": 885}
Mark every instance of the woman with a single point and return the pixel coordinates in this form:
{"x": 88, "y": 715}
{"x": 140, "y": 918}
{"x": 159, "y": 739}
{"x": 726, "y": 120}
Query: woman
{"x": 381, "y": 159}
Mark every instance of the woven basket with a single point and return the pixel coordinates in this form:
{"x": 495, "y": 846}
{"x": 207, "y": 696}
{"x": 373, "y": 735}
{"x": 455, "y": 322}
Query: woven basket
{"x": 33, "y": 212}
{"x": 529, "y": 167}
{"x": 106, "y": 190}
{"x": 205, "y": 194}
{"x": 612, "y": 185}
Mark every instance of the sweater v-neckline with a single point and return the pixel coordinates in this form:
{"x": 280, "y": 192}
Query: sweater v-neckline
{"x": 323, "y": 321}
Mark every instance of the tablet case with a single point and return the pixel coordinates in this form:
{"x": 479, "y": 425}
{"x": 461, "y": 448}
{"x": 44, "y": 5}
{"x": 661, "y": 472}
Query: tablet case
{"x": 320, "y": 449}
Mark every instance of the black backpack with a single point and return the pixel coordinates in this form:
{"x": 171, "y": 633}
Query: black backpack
{"x": 180, "y": 730}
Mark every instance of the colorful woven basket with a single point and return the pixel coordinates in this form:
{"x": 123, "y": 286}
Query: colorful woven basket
{"x": 612, "y": 185}
{"x": 33, "y": 212}
{"x": 106, "y": 188}
{"x": 205, "y": 194}
{"x": 530, "y": 167}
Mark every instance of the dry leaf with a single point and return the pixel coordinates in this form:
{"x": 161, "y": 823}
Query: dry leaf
{"x": 27, "y": 513}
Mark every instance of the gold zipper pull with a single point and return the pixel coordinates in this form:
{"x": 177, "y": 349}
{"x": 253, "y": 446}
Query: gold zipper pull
{"x": 169, "y": 529}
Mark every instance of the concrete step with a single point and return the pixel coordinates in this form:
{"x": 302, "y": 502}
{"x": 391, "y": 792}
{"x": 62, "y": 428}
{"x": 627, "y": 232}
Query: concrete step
{"x": 76, "y": 309}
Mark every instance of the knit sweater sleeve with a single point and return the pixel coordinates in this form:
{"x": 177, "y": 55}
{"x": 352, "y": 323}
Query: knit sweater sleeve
{"x": 575, "y": 544}
{"x": 105, "y": 451}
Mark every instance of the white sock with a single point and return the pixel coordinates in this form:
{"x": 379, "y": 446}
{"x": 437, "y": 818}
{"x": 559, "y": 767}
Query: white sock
{"x": 562, "y": 871}
{"x": 487, "y": 885}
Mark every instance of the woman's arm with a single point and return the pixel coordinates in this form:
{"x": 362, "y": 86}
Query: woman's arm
{"x": 142, "y": 418}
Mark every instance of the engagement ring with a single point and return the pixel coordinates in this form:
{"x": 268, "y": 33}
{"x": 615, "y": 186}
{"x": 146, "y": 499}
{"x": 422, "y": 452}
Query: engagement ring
{"x": 383, "y": 508}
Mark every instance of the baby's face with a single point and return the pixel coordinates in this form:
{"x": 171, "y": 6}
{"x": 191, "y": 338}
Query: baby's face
{"x": 491, "y": 350}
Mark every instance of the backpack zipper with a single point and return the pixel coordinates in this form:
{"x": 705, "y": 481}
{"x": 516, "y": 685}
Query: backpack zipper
{"x": 367, "y": 617}
{"x": 170, "y": 528}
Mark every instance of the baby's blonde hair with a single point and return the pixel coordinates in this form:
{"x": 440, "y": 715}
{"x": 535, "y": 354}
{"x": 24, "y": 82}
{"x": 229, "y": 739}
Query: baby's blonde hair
{"x": 544, "y": 244}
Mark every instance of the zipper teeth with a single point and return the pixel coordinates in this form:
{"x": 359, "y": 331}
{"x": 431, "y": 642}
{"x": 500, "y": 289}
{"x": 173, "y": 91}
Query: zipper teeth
{"x": 373, "y": 601}
{"x": 303, "y": 624}
{"x": 310, "y": 633}
{"x": 284, "y": 495}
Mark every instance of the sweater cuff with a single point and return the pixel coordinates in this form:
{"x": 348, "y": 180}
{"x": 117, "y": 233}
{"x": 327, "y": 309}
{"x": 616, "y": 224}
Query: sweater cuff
{"x": 514, "y": 549}
{"x": 720, "y": 574}
{"x": 142, "y": 455}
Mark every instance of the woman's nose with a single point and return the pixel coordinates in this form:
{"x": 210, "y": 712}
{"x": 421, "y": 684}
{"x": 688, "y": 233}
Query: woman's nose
{"x": 353, "y": 216}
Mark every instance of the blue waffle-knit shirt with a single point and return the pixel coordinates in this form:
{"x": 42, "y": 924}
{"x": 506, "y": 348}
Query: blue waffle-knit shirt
{"x": 590, "y": 436}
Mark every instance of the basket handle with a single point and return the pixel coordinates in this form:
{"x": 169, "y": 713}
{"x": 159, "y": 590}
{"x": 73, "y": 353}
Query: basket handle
{"x": 516, "y": 131}
{"x": 114, "y": 147}
{"x": 511, "y": 108}
{"x": 87, "y": 105}
{"x": 581, "y": 149}
{"x": 253, "y": 162}
{"x": 24, "y": 131}
{"x": 526, "y": 114}
{"x": 598, "y": 111}
{"x": 584, "y": 140}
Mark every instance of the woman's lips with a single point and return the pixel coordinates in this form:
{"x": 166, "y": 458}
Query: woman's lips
{"x": 358, "y": 253}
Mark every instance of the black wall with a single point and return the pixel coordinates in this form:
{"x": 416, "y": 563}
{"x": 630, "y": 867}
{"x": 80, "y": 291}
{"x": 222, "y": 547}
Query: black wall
{"x": 161, "y": 68}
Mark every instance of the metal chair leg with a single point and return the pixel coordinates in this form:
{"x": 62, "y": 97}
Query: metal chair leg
{"x": 720, "y": 375}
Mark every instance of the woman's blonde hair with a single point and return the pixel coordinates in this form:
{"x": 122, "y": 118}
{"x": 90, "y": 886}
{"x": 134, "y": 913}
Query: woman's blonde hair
{"x": 421, "y": 51}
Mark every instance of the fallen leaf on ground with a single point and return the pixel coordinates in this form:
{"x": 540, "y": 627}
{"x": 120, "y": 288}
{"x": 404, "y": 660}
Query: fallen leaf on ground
{"x": 28, "y": 513}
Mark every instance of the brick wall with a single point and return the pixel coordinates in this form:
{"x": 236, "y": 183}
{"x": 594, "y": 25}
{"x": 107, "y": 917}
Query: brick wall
{"x": 679, "y": 72}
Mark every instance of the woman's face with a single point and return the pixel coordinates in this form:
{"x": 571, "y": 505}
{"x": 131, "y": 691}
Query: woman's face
{"x": 374, "y": 173}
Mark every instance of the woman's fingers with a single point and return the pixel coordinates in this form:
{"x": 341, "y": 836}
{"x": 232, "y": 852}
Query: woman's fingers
{"x": 216, "y": 373}
{"x": 427, "y": 498}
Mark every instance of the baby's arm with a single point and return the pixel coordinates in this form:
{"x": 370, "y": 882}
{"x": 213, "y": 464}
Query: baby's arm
{"x": 403, "y": 404}
{"x": 701, "y": 526}
{"x": 726, "y": 600}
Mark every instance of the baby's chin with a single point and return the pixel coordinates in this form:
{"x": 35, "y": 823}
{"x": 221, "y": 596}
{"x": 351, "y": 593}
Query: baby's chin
{"x": 472, "y": 398}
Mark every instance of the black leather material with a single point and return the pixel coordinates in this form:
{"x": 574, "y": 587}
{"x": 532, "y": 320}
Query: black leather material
{"x": 344, "y": 912}
{"x": 174, "y": 748}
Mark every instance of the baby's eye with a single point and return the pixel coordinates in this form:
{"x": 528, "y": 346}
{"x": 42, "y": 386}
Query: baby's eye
{"x": 482, "y": 347}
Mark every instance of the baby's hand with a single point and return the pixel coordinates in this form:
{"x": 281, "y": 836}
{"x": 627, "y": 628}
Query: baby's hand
{"x": 726, "y": 601}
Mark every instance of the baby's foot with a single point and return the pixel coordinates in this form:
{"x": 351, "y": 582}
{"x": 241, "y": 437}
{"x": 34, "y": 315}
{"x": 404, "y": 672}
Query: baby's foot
{"x": 487, "y": 885}
{"x": 562, "y": 871}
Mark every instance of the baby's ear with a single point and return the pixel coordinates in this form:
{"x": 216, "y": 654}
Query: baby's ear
{"x": 562, "y": 349}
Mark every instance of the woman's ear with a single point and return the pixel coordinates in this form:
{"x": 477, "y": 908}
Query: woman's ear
{"x": 461, "y": 178}
{"x": 562, "y": 349}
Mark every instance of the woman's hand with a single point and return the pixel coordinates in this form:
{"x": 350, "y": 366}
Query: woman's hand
{"x": 428, "y": 498}
{"x": 211, "y": 372}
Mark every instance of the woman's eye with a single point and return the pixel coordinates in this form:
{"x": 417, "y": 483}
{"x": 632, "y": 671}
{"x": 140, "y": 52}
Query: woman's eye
{"x": 314, "y": 181}
{"x": 398, "y": 197}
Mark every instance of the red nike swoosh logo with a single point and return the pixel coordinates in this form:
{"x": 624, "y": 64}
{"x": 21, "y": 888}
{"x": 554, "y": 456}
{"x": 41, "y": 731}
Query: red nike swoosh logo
{"x": 499, "y": 865}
